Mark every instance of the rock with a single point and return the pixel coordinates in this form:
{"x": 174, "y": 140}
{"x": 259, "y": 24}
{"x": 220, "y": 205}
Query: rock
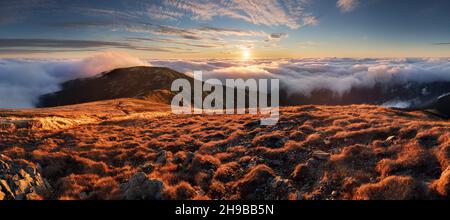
{"x": 140, "y": 187}
{"x": 6, "y": 190}
{"x": 334, "y": 193}
{"x": 281, "y": 188}
{"x": 390, "y": 140}
{"x": 20, "y": 181}
{"x": 321, "y": 155}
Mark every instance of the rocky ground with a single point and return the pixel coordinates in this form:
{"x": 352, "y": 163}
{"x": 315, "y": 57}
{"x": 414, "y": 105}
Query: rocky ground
{"x": 129, "y": 149}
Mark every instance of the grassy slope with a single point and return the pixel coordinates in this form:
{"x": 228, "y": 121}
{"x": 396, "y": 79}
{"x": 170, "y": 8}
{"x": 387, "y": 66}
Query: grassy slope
{"x": 314, "y": 152}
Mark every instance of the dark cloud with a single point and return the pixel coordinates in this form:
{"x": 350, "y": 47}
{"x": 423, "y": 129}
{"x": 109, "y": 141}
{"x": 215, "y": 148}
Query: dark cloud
{"x": 278, "y": 35}
{"x": 170, "y": 41}
{"x": 55, "y": 43}
{"x": 35, "y": 51}
{"x": 23, "y": 46}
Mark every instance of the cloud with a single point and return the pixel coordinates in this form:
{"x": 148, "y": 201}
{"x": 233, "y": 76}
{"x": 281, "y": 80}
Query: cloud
{"x": 347, "y": 5}
{"x": 24, "y": 46}
{"x": 338, "y": 75}
{"x": 23, "y": 81}
{"x": 289, "y": 13}
{"x": 207, "y": 37}
{"x": 55, "y": 43}
{"x": 310, "y": 20}
{"x": 159, "y": 13}
{"x": 278, "y": 35}
{"x": 172, "y": 41}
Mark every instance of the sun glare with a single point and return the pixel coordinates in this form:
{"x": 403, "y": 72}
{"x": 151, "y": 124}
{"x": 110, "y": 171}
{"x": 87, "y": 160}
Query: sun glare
{"x": 246, "y": 54}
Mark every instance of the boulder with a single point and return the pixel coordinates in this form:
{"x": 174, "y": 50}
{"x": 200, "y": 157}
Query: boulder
{"x": 140, "y": 187}
{"x": 20, "y": 182}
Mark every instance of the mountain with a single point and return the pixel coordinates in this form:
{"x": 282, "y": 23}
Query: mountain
{"x": 154, "y": 83}
{"x": 407, "y": 95}
{"x": 441, "y": 106}
{"x": 147, "y": 83}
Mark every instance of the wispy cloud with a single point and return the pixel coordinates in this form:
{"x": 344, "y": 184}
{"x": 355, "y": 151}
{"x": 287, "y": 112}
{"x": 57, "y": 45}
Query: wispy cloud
{"x": 289, "y": 13}
{"x": 204, "y": 36}
{"x": 171, "y": 41}
{"x": 55, "y": 43}
{"x": 347, "y": 5}
{"x": 22, "y": 46}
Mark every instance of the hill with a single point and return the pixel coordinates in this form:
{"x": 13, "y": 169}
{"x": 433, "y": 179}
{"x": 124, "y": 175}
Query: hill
{"x": 147, "y": 83}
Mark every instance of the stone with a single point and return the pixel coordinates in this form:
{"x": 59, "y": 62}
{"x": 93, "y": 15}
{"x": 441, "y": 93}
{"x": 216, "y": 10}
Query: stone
{"x": 390, "y": 140}
{"x": 140, "y": 187}
{"x": 334, "y": 193}
{"x": 321, "y": 155}
{"x": 20, "y": 181}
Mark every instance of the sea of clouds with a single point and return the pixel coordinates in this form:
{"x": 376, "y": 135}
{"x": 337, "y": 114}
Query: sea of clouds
{"x": 23, "y": 81}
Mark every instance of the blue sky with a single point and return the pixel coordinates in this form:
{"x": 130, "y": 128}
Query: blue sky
{"x": 225, "y": 28}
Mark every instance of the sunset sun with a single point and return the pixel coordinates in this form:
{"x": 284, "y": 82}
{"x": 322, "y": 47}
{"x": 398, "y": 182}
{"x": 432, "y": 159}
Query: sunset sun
{"x": 246, "y": 55}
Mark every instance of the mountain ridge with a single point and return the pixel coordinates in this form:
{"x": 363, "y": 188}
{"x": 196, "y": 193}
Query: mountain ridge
{"x": 147, "y": 83}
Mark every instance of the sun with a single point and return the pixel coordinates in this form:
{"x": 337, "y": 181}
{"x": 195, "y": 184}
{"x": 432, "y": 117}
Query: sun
{"x": 246, "y": 55}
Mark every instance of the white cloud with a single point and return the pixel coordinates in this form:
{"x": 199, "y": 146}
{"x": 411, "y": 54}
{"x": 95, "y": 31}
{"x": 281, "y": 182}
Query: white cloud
{"x": 347, "y": 5}
{"x": 23, "y": 81}
{"x": 338, "y": 75}
{"x": 158, "y": 12}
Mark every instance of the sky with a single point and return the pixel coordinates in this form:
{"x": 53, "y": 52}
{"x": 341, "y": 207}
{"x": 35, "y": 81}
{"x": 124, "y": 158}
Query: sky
{"x": 225, "y": 29}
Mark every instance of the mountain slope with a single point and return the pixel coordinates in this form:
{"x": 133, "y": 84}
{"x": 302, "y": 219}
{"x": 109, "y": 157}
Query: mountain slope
{"x": 148, "y": 83}
{"x": 314, "y": 152}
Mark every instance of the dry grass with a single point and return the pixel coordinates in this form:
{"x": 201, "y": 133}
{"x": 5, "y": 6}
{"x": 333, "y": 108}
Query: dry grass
{"x": 233, "y": 157}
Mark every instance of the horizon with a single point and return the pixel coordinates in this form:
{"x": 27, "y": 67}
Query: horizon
{"x": 279, "y": 29}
